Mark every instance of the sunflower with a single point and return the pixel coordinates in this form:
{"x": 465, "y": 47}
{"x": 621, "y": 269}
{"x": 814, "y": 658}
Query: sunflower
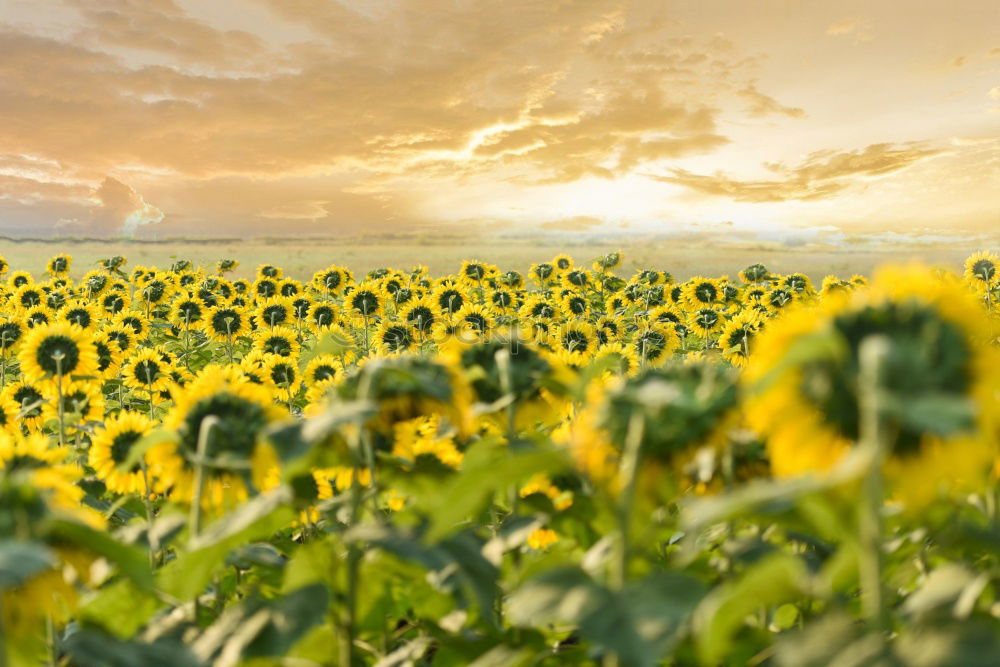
{"x": 620, "y": 358}
{"x": 321, "y": 369}
{"x": 331, "y": 280}
{"x": 28, "y": 296}
{"x": 609, "y": 330}
{"x": 562, "y": 262}
{"x": 226, "y": 265}
{"x": 82, "y": 399}
{"x": 700, "y": 292}
{"x": 542, "y": 273}
{"x": 274, "y": 312}
{"x": 109, "y": 357}
{"x": 808, "y": 408}
{"x": 11, "y": 334}
{"x": 542, "y": 485}
{"x": 798, "y": 283}
{"x": 28, "y": 399}
{"x": 448, "y": 299}
{"x": 755, "y": 273}
{"x": 421, "y": 436}
{"x": 704, "y": 321}
{"x": 269, "y": 271}
{"x": 575, "y": 305}
{"x": 502, "y": 300}
{"x": 281, "y": 374}
{"x": 609, "y": 262}
{"x": 225, "y": 323}
{"x": 138, "y": 324}
{"x": 186, "y": 311}
{"x": 477, "y": 318}
{"x": 301, "y": 307}
{"x": 778, "y": 298}
{"x": 419, "y": 314}
{"x": 281, "y": 341}
{"x": 47, "y": 465}
{"x": 156, "y": 290}
{"x": 240, "y": 413}
{"x": 736, "y": 336}
{"x": 365, "y": 301}
{"x": 392, "y": 337}
{"x": 264, "y": 288}
{"x": 37, "y": 315}
{"x": 833, "y": 284}
{"x": 19, "y": 279}
{"x": 289, "y": 288}
{"x": 81, "y": 313}
{"x": 576, "y": 337}
{"x": 114, "y": 302}
{"x": 147, "y": 370}
{"x": 538, "y": 307}
{"x": 59, "y": 265}
{"x": 655, "y": 344}
{"x": 57, "y": 350}
{"x": 476, "y": 272}
{"x": 9, "y": 411}
{"x": 322, "y": 316}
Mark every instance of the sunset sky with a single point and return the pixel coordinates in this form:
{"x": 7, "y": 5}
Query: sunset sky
{"x": 769, "y": 119}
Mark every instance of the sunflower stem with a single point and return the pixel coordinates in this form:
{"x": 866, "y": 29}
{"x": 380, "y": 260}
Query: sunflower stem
{"x": 58, "y": 357}
{"x": 873, "y": 438}
{"x": 627, "y": 474}
{"x": 147, "y": 501}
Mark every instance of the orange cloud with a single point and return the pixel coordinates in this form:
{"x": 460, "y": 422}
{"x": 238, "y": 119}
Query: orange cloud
{"x": 821, "y": 175}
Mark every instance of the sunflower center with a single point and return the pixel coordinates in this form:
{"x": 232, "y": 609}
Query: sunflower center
{"x": 929, "y": 357}
{"x": 421, "y": 317}
{"x": 146, "y": 371}
{"x": 226, "y": 321}
{"x": 58, "y": 354}
{"x": 239, "y": 422}
{"x": 10, "y": 332}
{"x": 122, "y": 444}
{"x": 278, "y": 345}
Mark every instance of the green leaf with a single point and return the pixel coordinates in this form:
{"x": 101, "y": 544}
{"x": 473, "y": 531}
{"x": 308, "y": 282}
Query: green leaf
{"x": 20, "y": 561}
{"x": 257, "y": 519}
{"x": 91, "y": 648}
{"x": 133, "y": 562}
{"x": 455, "y": 562}
{"x": 486, "y": 470}
{"x": 775, "y": 579}
{"x": 120, "y": 608}
{"x": 143, "y": 445}
{"x": 639, "y": 624}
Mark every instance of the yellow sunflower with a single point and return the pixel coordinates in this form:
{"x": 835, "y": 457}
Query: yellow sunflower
{"x": 147, "y": 370}
{"x": 59, "y": 349}
{"x": 233, "y": 443}
{"x": 281, "y": 341}
{"x": 808, "y": 410}
{"x": 110, "y": 448}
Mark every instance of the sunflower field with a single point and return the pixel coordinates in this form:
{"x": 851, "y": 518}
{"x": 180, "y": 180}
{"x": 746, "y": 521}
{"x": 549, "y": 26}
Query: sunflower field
{"x": 563, "y": 467}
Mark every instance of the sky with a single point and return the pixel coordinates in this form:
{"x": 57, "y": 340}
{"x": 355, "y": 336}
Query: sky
{"x": 773, "y": 120}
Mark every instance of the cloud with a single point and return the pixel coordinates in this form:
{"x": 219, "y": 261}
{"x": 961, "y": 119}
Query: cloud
{"x": 994, "y": 93}
{"x": 162, "y": 27}
{"x": 821, "y": 175}
{"x": 859, "y": 28}
{"x": 118, "y": 211}
{"x": 760, "y": 104}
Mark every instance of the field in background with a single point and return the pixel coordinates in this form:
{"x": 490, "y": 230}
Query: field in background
{"x": 300, "y": 258}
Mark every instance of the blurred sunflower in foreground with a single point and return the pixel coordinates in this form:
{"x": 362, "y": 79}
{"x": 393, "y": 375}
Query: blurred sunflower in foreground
{"x": 939, "y": 383}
